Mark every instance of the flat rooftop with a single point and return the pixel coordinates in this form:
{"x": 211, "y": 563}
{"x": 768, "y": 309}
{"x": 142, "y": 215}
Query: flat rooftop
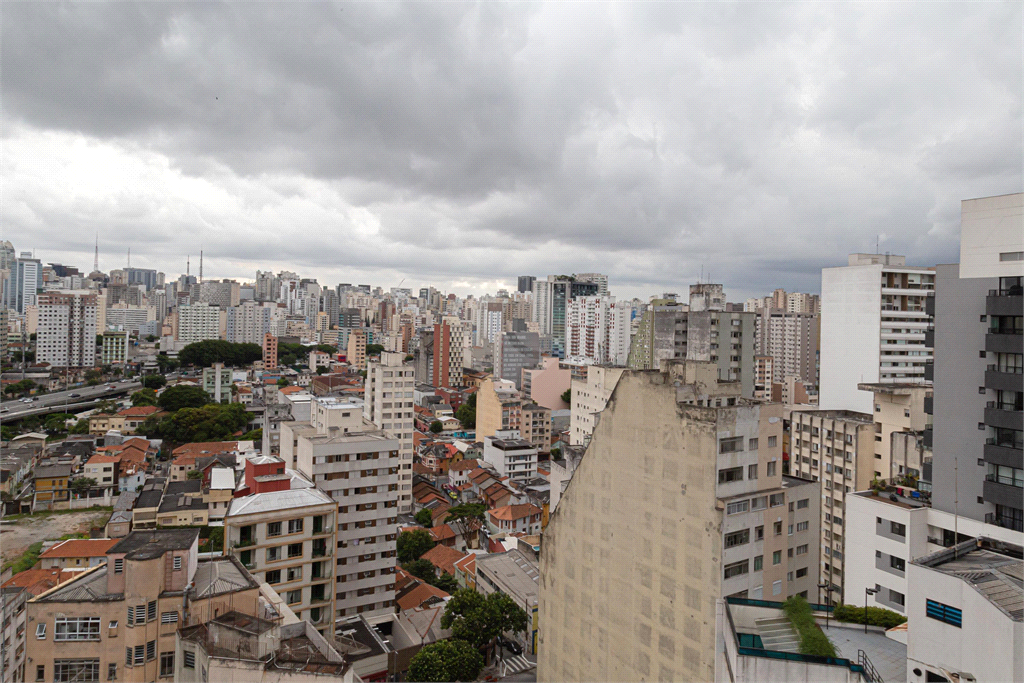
{"x": 147, "y": 544}
{"x": 991, "y": 567}
{"x": 847, "y": 415}
{"x": 894, "y": 499}
{"x": 894, "y": 387}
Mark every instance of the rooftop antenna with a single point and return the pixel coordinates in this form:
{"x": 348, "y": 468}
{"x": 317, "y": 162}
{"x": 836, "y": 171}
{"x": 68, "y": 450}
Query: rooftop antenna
{"x": 188, "y": 266}
{"x": 96, "y": 255}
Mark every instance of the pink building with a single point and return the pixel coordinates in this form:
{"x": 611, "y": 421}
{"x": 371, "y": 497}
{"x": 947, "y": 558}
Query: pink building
{"x": 546, "y": 384}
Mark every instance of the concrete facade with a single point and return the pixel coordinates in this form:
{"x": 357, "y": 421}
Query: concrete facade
{"x": 514, "y": 351}
{"x": 66, "y": 336}
{"x": 388, "y": 404}
{"x": 589, "y": 398}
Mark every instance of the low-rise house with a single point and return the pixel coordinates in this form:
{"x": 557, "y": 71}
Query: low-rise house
{"x": 132, "y": 418}
{"x": 219, "y": 491}
{"x": 516, "y": 518}
{"x": 444, "y": 558}
{"x": 419, "y": 594}
{"x": 120, "y": 523}
{"x": 76, "y": 554}
{"x": 51, "y": 486}
{"x": 185, "y": 456}
{"x": 146, "y": 508}
{"x": 183, "y": 505}
{"x": 104, "y": 470}
{"x": 465, "y": 571}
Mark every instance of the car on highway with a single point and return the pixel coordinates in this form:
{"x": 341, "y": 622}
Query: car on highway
{"x": 74, "y": 395}
{"x": 125, "y": 381}
{"x": 26, "y": 400}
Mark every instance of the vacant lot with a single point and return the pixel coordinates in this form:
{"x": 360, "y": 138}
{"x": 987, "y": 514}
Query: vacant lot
{"x": 16, "y": 537}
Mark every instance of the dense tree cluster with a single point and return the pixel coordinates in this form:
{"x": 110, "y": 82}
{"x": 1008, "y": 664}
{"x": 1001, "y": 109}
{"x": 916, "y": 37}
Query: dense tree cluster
{"x": 210, "y": 422}
{"x": 210, "y": 351}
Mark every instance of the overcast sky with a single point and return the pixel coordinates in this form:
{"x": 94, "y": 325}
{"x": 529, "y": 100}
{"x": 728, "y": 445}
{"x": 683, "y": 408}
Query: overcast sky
{"x": 461, "y": 145}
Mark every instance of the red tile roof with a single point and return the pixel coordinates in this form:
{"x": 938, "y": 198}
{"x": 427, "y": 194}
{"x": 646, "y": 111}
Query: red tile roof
{"x": 37, "y": 581}
{"x": 464, "y": 465}
{"x": 443, "y": 557}
{"x": 80, "y": 547}
{"x": 441, "y": 533}
{"x": 514, "y": 512}
{"x": 139, "y": 411}
{"x": 467, "y": 564}
{"x": 419, "y": 595}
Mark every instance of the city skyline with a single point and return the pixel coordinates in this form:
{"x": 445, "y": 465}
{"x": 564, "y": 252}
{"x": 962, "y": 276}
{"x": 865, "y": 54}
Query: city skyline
{"x": 502, "y": 139}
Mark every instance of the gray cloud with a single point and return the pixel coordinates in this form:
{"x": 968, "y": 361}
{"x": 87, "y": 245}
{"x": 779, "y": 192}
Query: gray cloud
{"x": 463, "y": 144}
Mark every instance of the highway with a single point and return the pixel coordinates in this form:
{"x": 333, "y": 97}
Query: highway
{"x": 55, "y": 402}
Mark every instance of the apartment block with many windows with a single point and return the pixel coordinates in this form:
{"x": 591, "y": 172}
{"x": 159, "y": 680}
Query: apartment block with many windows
{"x": 388, "y": 404}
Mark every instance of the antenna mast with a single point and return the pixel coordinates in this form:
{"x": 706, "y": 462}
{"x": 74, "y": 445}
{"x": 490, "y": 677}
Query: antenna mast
{"x": 96, "y": 255}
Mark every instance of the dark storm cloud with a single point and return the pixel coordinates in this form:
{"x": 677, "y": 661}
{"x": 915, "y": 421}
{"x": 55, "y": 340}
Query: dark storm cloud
{"x": 461, "y": 144}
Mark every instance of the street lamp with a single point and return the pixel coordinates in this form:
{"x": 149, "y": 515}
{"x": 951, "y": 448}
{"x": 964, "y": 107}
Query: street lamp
{"x": 867, "y": 592}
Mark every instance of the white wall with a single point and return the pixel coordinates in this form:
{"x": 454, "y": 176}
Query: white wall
{"x": 850, "y": 328}
{"x": 988, "y": 227}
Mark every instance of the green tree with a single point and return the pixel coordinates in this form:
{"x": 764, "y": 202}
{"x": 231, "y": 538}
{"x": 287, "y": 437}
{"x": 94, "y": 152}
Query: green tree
{"x": 567, "y": 395}
{"x": 252, "y": 435}
{"x": 7, "y": 433}
{"x": 424, "y": 518}
{"x": 436, "y": 427}
{"x": 478, "y": 619}
{"x": 81, "y": 427}
{"x": 92, "y": 374}
{"x": 194, "y": 474}
{"x": 412, "y": 544}
{"x": 154, "y": 381}
{"x": 211, "y": 422}
{"x": 327, "y": 348}
{"x": 466, "y": 414}
{"x": 210, "y": 351}
{"x": 466, "y": 518}
{"x": 556, "y": 453}
{"x": 421, "y": 569}
{"x": 144, "y": 397}
{"x": 374, "y": 349}
{"x": 20, "y": 388}
{"x": 166, "y": 363}
{"x": 182, "y": 396}
{"x": 81, "y": 484}
{"x": 446, "y": 660}
{"x": 106, "y": 406}
{"x": 446, "y": 582}
{"x": 282, "y": 382}
{"x": 57, "y": 422}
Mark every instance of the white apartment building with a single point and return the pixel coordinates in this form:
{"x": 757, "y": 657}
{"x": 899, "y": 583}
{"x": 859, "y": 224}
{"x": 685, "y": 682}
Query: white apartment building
{"x": 388, "y": 404}
{"x": 287, "y": 539}
{"x": 837, "y": 449}
{"x": 248, "y": 322}
{"x": 873, "y": 324}
{"x": 791, "y": 339}
{"x": 510, "y": 454}
{"x": 357, "y": 465}
{"x": 597, "y": 329}
{"x": 198, "y": 322}
{"x": 897, "y": 408}
{"x": 589, "y": 398}
{"x": 598, "y": 279}
{"x": 66, "y": 333}
{"x": 127, "y": 317}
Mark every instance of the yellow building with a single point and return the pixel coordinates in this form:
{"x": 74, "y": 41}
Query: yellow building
{"x": 51, "y": 486}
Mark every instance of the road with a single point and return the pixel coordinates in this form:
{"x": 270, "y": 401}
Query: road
{"x": 48, "y": 403}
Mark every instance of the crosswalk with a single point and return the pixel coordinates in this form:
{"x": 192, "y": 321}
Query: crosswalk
{"x": 513, "y": 664}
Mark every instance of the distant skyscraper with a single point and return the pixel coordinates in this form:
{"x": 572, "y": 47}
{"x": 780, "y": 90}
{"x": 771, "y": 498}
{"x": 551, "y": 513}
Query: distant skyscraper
{"x": 66, "y": 336}
{"x": 526, "y": 283}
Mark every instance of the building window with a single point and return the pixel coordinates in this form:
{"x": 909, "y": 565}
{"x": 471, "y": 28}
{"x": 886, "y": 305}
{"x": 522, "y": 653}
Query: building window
{"x": 944, "y": 613}
{"x": 896, "y": 597}
{"x": 273, "y": 528}
{"x": 898, "y": 564}
{"x": 166, "y": 664}
{"x": 777, "y": 557}
{"x": 189, "y": 661}
{"x": 737, "y": 568}
{"x": 733, "y": 445}
{"x": 770, "y": 469}
{"x": 759, "y": 533}
{"x": 731, "y": 474}
{"x": 801, "y": 550}
{"x": 758, "y": 562}
{"x": 737, "y": 538}
{"x": 76, "y": 628}
{"x": 40, "y": 672}
{"x": 777, "y": 528}
{"x": 273, "y": 576}
{"x": 112, "y": 671}
{"x": 752, "y": 444}
{"x": 898, "y": 529}
{"x": 80, "y": 670}
{"x": 751, "y": 471}
{"x": 273, "y": 554}
{"x": 151, "y": 651}
{"x": 294, "y": 550}
{"x": 776, "y": 587}
{"x": 759, "y": 503}
{"x": 169, "y": 618}
{"x": 801, "y": 504}
{"x": 802, "y": 572}
{"x": 772, "y": 441}
{"x": 177, "y": 564}
{"x": 150, "y": 611}
{"x": 41, "y": 631}
{"x": 118, "y": 565}
{"x": 801, "y": 526}
{"x": 737, "y": 507}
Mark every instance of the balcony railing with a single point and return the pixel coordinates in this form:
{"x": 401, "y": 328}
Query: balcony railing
{"x": 1008, "y": 481}
{"x": 322, "y": 552}
{"x": 1005, "y": 522}
{"x": 243, "y": 544}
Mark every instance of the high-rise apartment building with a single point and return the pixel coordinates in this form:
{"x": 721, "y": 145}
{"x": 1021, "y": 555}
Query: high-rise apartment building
{"x": 23, "y": 281}
{"x": 115, "y": 347}
{"x": 66, "y": 336}
{"x": 450, "y": 336}
{"x": 873, "y": 323}
{"x": 147, "y": 277}
{"x": 705, "y": 330}
{"x": 836, "y": 450}
{"x": 597, "y": 278}
{"x": 248, "y": 322}
{"x": 287, "y": 538}
{"x": 597, "y": 329}
{"x": 791, "y": 339}
{"x": 631, "y": 595}
{"x": 358, "y": 466}
{"x": 356, "y": 351}
{"x": 978, "y": 437}
{"x": 550, "y": 298}
{"x": 589, "y": 398}
{"x": 225, "y": 294}
{"x": 514, "y": 351}
{"x": 269, "y": 352}
{"x": 198, "y": 322}
{"x": 388, "y": 404}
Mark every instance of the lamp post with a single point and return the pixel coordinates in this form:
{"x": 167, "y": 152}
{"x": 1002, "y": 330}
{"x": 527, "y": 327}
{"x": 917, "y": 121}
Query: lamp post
{"x": 824, "y": 586}
{"x": 867, "y": 592}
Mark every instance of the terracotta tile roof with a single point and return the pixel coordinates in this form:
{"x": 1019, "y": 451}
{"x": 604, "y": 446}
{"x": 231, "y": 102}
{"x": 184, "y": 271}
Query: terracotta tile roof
{"x": 441, "y": 509}
{"x": 443, "y": 557}
{"x": 425, "y": 500}
{"x": 101, "y": 458}
{"x": 467, "y": 564}
{"x": 514, "y": 512}
{"x": 136, "y": 442}
{"x": 441, "y": 533}
{"x": 290, "y": 390}
{"x": 464, "y": 487}
{"x": 464, "y": 465}
{"x": 139, "y": 411}
{"x": 422, "y": 593}
{"x": 187, "y": 453}
{"x": 38, "y": 581}
{"x": 80, "y": 547}
{"x": 420, "y": 468}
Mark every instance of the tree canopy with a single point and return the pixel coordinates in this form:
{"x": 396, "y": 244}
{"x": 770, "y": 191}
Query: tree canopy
{"x": 144, "y": 397}
{"x": 210, "y": 351}
{"x": 478, "y": 619}
{"x": 466, "y": 414}
{"x": 412, "y": 544}
{"x": 436, "y": 427}
{"x": 154, "y": 381}
{"x": 567, "y": 395}
{"x": 182, "y": 396}
{"x": 211, "y": 422}
{"x": 446, "y": 660}
{"x": 374, "y": 349}
{"x": 424, "y": 517}
{"x": 421, "y": 569}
